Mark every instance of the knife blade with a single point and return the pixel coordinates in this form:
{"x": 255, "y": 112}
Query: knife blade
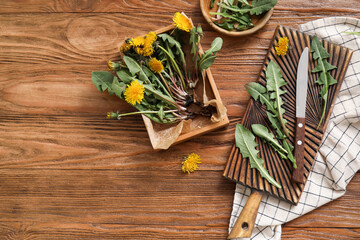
{"x": 301, "y": 94}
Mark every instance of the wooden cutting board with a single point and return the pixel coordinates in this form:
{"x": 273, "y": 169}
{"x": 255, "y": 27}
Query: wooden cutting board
{"x": 238, "y": 169}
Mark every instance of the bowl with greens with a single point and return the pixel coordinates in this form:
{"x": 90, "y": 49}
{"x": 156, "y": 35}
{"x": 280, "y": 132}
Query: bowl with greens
{"x": 237, "y": 17}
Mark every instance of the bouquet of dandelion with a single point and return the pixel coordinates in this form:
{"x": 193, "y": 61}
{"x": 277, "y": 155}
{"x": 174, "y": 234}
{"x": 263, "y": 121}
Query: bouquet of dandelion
{"x": 159, "y": 78}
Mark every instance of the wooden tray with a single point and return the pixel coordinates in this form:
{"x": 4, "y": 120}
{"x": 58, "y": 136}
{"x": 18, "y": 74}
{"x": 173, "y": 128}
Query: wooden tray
{"x": 238, "y": 169}
{"x": 200, "y": 125}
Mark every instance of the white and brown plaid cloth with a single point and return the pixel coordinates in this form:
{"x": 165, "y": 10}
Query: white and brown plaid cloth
{"x": 338, "y": 158}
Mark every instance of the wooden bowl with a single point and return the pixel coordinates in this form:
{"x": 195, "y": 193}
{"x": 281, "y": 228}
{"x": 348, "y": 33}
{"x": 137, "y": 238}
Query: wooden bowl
{"x": 258, "y": 21}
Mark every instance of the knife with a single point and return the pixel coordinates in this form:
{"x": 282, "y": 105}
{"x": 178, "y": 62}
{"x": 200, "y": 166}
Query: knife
{"x": 301, "y": 93}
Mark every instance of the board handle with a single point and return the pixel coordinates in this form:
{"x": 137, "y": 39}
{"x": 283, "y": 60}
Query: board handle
{"x": 244, "y": 225}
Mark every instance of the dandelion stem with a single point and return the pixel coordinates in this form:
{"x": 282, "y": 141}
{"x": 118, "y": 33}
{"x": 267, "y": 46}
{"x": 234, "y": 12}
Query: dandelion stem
{"x": 322, "y": 115}
{"x": 173, "y": 62}
{"x": 165, "y": 83}
{"x": 167, "y": 99}
{"x": 144, "y": 112}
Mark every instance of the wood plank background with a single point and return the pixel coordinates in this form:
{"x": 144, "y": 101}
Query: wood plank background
{"x": 66, "y": 172}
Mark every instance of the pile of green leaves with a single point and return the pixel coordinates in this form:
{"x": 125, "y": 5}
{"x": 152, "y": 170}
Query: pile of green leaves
{"x": 157, "y": 104}
{"x": 245, "y": 141}
{"x": 167, "y": 94}
{"x": 270, "y": 96}
{"x": 323, "y": 66}
{"x": 236, "y": 15}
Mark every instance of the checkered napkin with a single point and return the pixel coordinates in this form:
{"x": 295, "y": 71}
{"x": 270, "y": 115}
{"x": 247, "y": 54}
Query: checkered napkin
{"x": 338, "y": 158}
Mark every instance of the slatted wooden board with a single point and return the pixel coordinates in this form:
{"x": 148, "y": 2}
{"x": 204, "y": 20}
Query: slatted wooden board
{"x": 237, "y": 168}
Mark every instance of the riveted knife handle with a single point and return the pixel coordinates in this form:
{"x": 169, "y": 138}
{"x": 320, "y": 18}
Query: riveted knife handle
{"x": 298, "y": 173}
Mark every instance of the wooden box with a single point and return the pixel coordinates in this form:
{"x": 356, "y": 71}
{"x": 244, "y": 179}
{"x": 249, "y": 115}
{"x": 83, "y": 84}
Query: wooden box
{"x": 160, "y": 134}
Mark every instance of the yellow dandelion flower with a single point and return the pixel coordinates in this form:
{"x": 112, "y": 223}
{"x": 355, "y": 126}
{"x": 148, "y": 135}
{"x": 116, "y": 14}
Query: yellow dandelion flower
{"x": 134, "y": 93}
{"x": 110, "y": 65}
{"x": 113, "y": 66}
{"x": 125, "y": 47}
{"x": 112, "y": 115}
{"x": 151, "y": 37}
{"x": 282, "y": 46}
{"x": 142, "y": 45}
{"x": 190, "y": 163}
{"x": 155, "y": 65}
{"x": 148, "y": 49}
{"x": 137, "y": 42}
{"x": 182, "y": 22}
{"x": 140, "y": 50}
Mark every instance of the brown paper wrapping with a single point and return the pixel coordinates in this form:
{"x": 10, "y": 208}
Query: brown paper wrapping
{"x": 162, "y": 136}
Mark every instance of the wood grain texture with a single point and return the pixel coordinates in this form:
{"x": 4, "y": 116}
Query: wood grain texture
{"x": 66, "y": 172}
{"x": 109, "y": 6}
{"x": 321, "y": 233}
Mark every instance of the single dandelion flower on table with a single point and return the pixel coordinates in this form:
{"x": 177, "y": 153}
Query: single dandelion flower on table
{"x": 134, "y": 93}
{"x": 182, "y": 22}
{"x": 190, "y": 163}
{"x": 155, "y": 65}
{"x": 282, "y": 46}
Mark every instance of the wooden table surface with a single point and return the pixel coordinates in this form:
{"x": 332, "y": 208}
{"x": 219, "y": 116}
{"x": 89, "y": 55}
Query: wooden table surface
{"x": 67, "y": 172}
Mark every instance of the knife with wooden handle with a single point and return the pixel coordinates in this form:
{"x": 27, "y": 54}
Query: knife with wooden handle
{"x": 301, "y": 94}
